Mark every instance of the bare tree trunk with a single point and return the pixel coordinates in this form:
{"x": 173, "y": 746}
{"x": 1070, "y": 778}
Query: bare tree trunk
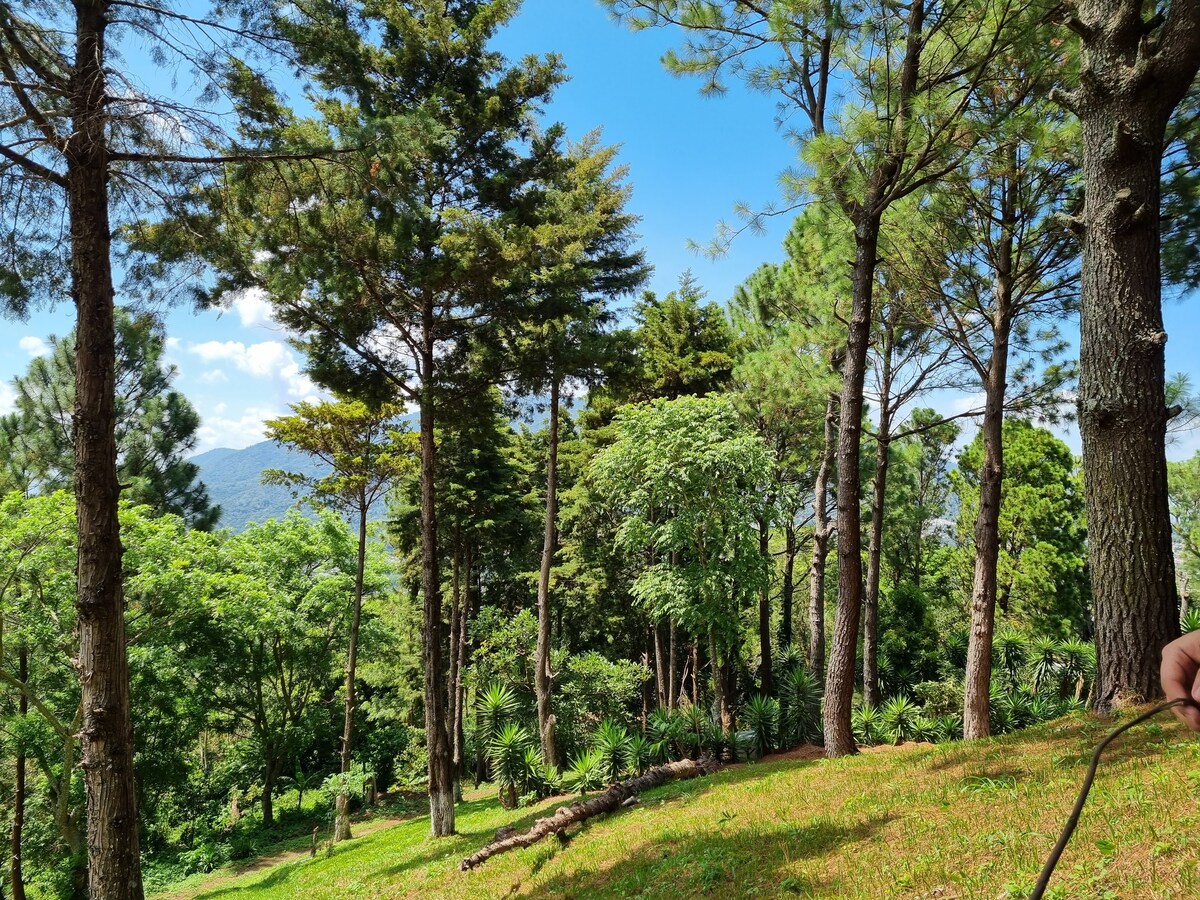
{"x": 822, "y": 532}
{"x": 341, "y": 820}
{"x": 106, "y": 738}
{"x": 696, "y": 669}
{"x": 839, "y": 687}
{"x": 764, "y": 612}
{"x": 463, "y": 649}
{"x": 1133, "y": 75}
{"x": 672, "y": 693}
{"x": 720, "y": 686}
{"x": 660, "y": 674}
{"x": 543, "y": 677}
{"x": 267, "y": 802}
{"x": 978, "y": 678}
{"x": 789, "y": 583}
{"x": 871, "y": 692}
{"x": 18, "y": 823}
{"x": 437, "y": 741}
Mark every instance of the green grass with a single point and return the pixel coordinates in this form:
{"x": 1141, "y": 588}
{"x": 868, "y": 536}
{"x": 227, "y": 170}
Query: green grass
{"x": 949, "y": 821}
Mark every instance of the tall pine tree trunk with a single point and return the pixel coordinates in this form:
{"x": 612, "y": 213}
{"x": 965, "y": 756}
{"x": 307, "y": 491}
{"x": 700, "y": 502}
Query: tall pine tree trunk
{"x": 341, "y": 821}
{"x": 1132, "y": 77}
{"x": 871, "y": 693}
{"x": 106, "y": 738}
{"x": 543, "y": 677}
{"x": 788, "y": 591}
{"x": 839, "y": 686}
{"x": 672, "y": 685}
{"x": 764, "y": 612}
{"x": 437, "y": 741}
{"x": 18, "y": 815}
{"x": 462, "y": 657}
{"x": 660, "y": 664}
{"x": 977, "y": 685}
{"x": 822, "y": 532}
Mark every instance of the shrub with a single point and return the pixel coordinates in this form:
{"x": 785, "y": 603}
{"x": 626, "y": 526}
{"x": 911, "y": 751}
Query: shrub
{"x": 799, "y": 706}
{"x": 867, "y": 726}
{"x": 585, "y": 773}
{"x": 897, "y": 717}
{"x": 639, "y": 754}
{"x": 761, "y": 718}
{"x": 611, "y": 743}
{"x": 506, "y": 752}
{"x": 939, "y": 698}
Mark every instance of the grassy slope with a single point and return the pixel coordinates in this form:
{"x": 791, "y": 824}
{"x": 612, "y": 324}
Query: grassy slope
{"x": 947, "y": 821}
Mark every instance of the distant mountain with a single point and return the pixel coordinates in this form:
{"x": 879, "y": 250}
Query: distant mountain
{"x": 234, "y": 481}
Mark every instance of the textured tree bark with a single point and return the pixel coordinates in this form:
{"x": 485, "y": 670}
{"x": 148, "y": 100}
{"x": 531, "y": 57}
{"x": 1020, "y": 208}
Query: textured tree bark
{"x": 106, "y": 737}
{"x": 437, "y": 741}
{"x": 582, "y": 810}
{"x": 871, "y": 695}
{"x": 341, "y": 820}
{"x": 822, "y": 532}
{"x": 720, "y": 685}
{"x": 672, "y": 691}
{"x": 660, "y": 668}
{"x": 788, "y": 592}
{"x": 458, "y": 686}
{"x": 978, "y": 678}
{"x": 1132, "y": 77}
{"x": 18, "y": 822}
{"x": 267, "y": 803}
{"x": 764, "y": 613}
{"x": 839, "y": 687}
{"x": 543, "y": 677}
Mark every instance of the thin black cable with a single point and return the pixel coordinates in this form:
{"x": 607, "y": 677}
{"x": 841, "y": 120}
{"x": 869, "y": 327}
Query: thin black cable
{"x": 1069, "y": 828}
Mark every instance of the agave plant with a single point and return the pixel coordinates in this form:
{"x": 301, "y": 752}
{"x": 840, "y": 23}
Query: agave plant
{"x": 789, "y": 657}
{"x": 897, "y": 717}
{"x": 955, "y": 645}
{"x": 611, "y": 743}
{"x": 693, "y": 725}
{"x": 494, "y": 706}
{"x": 1010, "y": 650}
{"x": 1078, "y": 665}
{"x": 662, "y": 731}
{"x": 925, "y": 729}
{"x": 585, "y": 773}
{"x": 761, "y": 717}
{"x": 1044, "y": 655}
{"x": 506, "y": 752}
{"x": 640, "y": 752}
{"x": 867, "y": 726}
{"x": 1190, "y": 621}
{"x": 799, "y": 706}
{"x": 950, "y": 727}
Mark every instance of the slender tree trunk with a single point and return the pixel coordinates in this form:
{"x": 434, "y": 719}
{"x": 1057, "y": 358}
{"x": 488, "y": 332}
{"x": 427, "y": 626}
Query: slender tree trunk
{"x": 822, "y": 532}
{"x": 660, "y": 669}
{"x": 789, "y": 583}
{"x": 106, "y": 738}
{"x": 839, "y": 688}
{"x": 1132, "y": 79}
{"x": 341, "y": 821}
{"x": 441, "y": 763}
{"x": 18, "y": 823}
{"x": 696, "y": 670}
{"x": 764, "y": 613}
{"x": 871, "y": 692}
{"x": 720, "y": 686}
{"x": 672, "y": 693}
{"x": 459, "y": 686}
{"x": 978, "y": 680}
{"x": 270, "y": 775}
{"x": 544, "y": 678}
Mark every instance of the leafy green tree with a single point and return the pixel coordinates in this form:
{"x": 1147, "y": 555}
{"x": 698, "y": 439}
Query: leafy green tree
{"x": 684, "y": 475}
{"x": 423, "y": 256}
{"x": 1185, "y": 520}
{"x": 685, "y": 345}
{"x": 1041, "y": 581}
{"x": 155, "y": 425}
{"x": 366, "y": 451}
{"x": 591, "y": 262}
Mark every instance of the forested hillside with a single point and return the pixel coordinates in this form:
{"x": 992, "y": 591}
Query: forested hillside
{"x": 575, "y": 525}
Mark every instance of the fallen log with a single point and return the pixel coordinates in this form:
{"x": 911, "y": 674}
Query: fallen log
{"x": 582, "y": 810}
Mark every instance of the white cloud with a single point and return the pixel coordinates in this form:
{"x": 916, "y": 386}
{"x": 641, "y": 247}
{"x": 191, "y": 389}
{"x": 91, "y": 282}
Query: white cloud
{"x": 252, "y": 307}
{"x": 173, "y": 343}
{"x": 214, "y": 376}
{"x": 266, "y": 359}
{"x": 220, "y": 431}
{"x": 8, "y": 399}
{"x": 34, "y": 346}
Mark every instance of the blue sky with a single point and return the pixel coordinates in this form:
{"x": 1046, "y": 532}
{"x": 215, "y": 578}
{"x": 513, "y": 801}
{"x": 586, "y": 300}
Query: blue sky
{"x": 691, "y": 159}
